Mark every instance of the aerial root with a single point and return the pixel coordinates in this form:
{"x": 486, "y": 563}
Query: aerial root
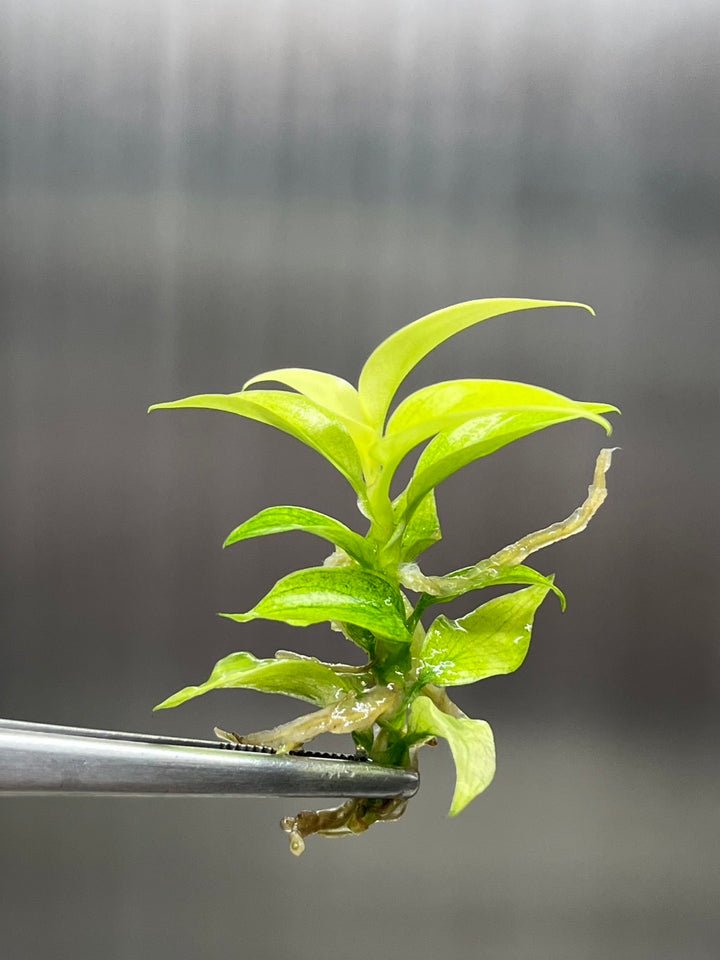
{"x": 347, "y": 715}
{"x": 575, "y": 523}
{"x": 413, "y": 578}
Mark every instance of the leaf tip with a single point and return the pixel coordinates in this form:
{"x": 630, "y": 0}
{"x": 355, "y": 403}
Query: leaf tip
{"x": 562, "y": 600}
{"x": 167, "y": 405}
{"x": 240, "y": 617}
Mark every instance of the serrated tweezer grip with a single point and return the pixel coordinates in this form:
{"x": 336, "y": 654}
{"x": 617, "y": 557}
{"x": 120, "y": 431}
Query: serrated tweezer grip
{"x": 38, "y": 758}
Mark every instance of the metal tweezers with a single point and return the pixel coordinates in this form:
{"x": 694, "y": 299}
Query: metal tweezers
{"x": 40, "y": 758}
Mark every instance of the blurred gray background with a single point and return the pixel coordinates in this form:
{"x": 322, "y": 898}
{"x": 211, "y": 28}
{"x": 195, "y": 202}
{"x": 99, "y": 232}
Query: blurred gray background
{"x": 195, "y": 192}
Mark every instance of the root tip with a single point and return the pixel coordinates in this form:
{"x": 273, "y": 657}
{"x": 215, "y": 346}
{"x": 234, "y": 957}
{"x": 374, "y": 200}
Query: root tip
{"x": 297, "y": 844}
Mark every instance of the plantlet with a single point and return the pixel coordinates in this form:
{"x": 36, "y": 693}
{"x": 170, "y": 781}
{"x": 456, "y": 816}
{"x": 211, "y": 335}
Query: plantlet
{"x": 396, "y": 701}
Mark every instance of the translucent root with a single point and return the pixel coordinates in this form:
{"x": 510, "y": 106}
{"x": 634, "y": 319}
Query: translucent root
{"x": 575, "y": 523}
{"x": 349, "y": 819}
{"x": 345, "y": 716}
{"x": 413, "y": 578}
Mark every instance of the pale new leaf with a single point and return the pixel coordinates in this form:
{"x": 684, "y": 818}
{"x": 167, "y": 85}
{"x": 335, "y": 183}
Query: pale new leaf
{"x": 471, "y": 743}
{"x": 333, "y": 393}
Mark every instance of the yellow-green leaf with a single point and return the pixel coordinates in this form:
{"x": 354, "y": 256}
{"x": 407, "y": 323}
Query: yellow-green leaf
{"x": 305, "y": 679}
{"x": 333, "y": 393}
{"x": 329, "y": 391}
{"x": 477, "y": 438}
{"x": 471, "y": 743}
{"x": 294, "y": 414}
{"x": 390, "y": 362}
{"x": 443, "y": 406}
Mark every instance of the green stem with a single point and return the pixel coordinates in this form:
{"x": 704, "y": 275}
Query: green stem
{"x": 423, "y": 603}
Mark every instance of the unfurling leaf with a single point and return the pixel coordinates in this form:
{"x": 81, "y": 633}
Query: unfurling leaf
{"x": 471, "y": 743}
{"x": 358, "y": 635}
{"x": 340, "y": 594}
{"x": 423, "y": 529}
{"x": 389, "y": 364}
{"x": 305, "y": 679}
{"x": 333, "y": 393}
{"x": 294, "y": 414}
{"x": 286, "y": 519}
{"x": 492, "y": 640}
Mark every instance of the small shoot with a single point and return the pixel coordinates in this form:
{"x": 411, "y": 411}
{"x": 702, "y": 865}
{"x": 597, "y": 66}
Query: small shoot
{"x": 396, "y": 701}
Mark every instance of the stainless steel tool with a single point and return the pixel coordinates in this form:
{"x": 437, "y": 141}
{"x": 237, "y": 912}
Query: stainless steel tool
{"x": 39, "y": 758}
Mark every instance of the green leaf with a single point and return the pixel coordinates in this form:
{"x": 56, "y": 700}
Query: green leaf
{"x": 286, "y": 519}
{"x": 293, "y": 414}
{"x": 477, "y": 577}
{"x": 363, "y": 739}
{"x": 341, "y": 594}
{"x": 492, "y": 640}
{"x": 423, "y": 529}
{"x": 305, "y": 679}
{"x": 443, "y": 406}
{"x": 389, "y": 364}
{"x": 477, "y": 438}
{"x": 471, "y": 743}
{"x": 358, "y": 635}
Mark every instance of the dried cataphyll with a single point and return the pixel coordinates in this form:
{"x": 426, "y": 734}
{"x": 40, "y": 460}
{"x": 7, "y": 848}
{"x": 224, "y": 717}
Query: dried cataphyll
{"x": 370, "y": 588}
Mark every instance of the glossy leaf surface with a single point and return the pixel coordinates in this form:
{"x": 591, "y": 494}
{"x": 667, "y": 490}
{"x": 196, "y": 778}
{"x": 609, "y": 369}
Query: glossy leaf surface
{"x": 483, "y": 574}
{"x": 333, "y": 393}
{"x": 390, "y": 362}
{"x": 492, "y": 640}
{"x": 304, "y": 679}
{"x": 287, "y": 519}
{"x": 341, "y": 594}
{"x": 471, "y": 743}
{"x": 292, "y": 413}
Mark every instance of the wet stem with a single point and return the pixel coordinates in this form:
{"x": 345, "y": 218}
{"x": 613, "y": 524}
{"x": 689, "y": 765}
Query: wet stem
{"x": 396, "y": 666}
